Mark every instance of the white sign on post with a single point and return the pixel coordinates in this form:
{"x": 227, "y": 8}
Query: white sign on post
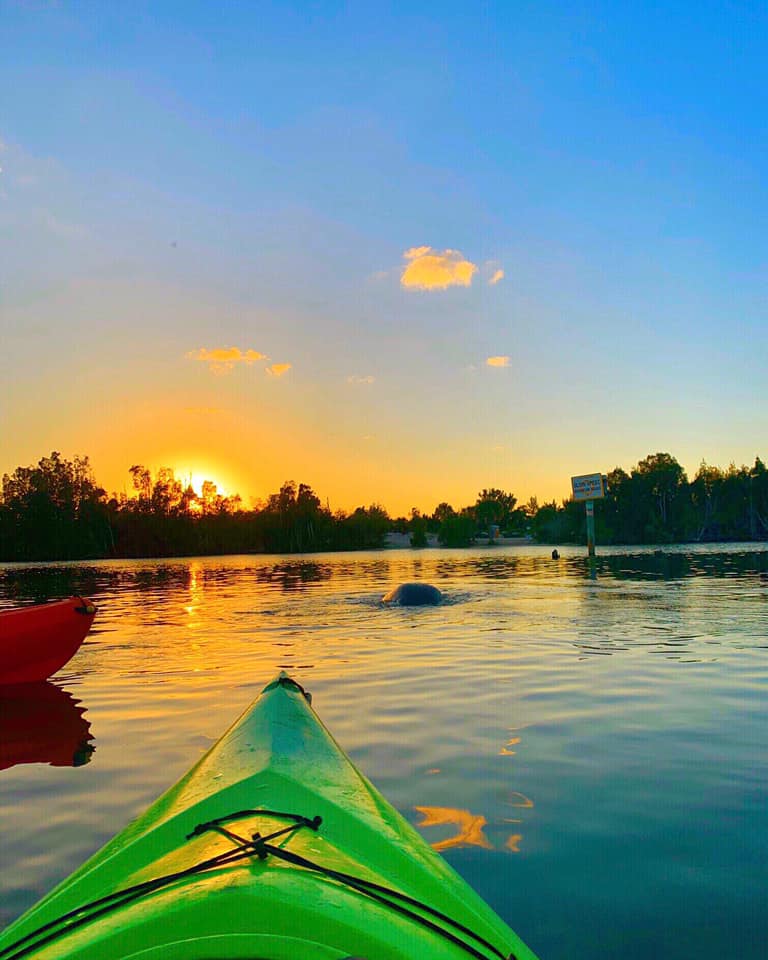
{"x": 588, "y": 487}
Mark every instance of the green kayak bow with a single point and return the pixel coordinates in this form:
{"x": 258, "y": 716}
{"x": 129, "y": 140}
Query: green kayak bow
{"x": 274, "y": 846}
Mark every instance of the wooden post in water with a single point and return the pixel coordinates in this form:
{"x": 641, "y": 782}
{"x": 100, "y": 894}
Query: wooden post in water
{"x": 590, "y": 527}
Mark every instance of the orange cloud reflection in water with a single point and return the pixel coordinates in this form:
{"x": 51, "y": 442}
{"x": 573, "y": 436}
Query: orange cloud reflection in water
{"x": 505, "y": 751}
{"x": 516, "y": 799}
{"x": 470, "y": 827}
{"x": 513, "y": 842}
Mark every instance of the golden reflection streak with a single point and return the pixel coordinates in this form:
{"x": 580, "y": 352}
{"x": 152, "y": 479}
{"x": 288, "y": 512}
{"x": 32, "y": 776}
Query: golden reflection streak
{"x": 195, "y": 656}
{"x": 195, "y": 590}
{"x": 470, "y": 827}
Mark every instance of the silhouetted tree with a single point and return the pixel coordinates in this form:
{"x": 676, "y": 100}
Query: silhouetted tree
{"x": 494, "y": 506}
{"x": 457, "y": 530}
{"x": 54, "y": 510}
{"x": 662, "y": 480}
{"x": 364, "y": 529}
{"x": 418, "y": 527}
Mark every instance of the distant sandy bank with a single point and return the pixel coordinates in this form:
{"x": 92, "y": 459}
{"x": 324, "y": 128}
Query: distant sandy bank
{"x": 398, "y": 540}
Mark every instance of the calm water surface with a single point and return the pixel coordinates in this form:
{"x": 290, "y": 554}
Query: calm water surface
{"x": 587, "y": 747}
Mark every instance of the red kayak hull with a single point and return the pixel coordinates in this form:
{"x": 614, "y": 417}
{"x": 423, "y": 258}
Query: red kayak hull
{"x": 37, "y": 641}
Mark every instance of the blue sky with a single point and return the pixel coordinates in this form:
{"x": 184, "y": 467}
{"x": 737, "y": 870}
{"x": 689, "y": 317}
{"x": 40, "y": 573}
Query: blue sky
{"x": 187, "y": 177}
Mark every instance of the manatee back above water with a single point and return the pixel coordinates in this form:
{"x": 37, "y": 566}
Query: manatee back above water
{"x": 413, "y": 595}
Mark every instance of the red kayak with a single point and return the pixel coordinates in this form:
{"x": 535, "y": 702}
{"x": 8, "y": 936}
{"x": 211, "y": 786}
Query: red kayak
{"x": 37, "y": 641}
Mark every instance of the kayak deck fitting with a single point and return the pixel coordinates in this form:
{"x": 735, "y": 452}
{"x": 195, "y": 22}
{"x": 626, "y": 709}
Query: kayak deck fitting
{"x": 273, "y": 846}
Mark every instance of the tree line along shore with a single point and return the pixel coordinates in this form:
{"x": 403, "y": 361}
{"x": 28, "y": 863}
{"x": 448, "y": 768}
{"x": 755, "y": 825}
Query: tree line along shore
{"x": 56, "y": 510}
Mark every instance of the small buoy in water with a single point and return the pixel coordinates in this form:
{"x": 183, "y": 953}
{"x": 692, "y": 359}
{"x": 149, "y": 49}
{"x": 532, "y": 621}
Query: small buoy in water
{"x": 413, "y": 595}
{"x": 555, "y": 554}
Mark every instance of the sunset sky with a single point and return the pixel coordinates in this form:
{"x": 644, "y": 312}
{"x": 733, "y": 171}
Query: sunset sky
{"x": 397, "y": 251}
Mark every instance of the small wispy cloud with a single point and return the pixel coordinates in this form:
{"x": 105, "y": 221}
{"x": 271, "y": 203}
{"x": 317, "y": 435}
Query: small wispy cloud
{"x": 278, "y": 369}
{"x": 357, "y": 380}
{"x": 63, "y": 229}
{"x": 492, "y": 271}
{"x": 430, "y": 269}
{"x": 497, "y": 361}
{"x": 224, "y": 359}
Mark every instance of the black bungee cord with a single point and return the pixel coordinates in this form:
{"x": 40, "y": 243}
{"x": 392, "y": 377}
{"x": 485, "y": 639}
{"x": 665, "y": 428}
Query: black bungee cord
{"x": 260, "y": 847}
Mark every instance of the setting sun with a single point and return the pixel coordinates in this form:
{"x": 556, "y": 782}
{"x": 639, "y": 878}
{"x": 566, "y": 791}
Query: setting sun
{"x": 196, "y": 479}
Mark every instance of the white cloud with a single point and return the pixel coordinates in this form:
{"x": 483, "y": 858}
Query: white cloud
{"x": 357, "y": 380}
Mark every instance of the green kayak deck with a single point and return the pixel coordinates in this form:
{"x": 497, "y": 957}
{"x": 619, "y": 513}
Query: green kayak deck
{"x": 346, "y": 877}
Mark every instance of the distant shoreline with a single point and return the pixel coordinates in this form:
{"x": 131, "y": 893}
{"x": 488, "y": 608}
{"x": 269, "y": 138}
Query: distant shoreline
{"x": 57, "y": 511}
{"x": 400, "y": 540}
{"x": 603, "y": 550}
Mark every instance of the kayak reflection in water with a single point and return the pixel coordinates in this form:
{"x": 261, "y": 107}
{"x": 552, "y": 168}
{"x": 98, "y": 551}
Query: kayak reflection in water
{"x": 41, "y": 723}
